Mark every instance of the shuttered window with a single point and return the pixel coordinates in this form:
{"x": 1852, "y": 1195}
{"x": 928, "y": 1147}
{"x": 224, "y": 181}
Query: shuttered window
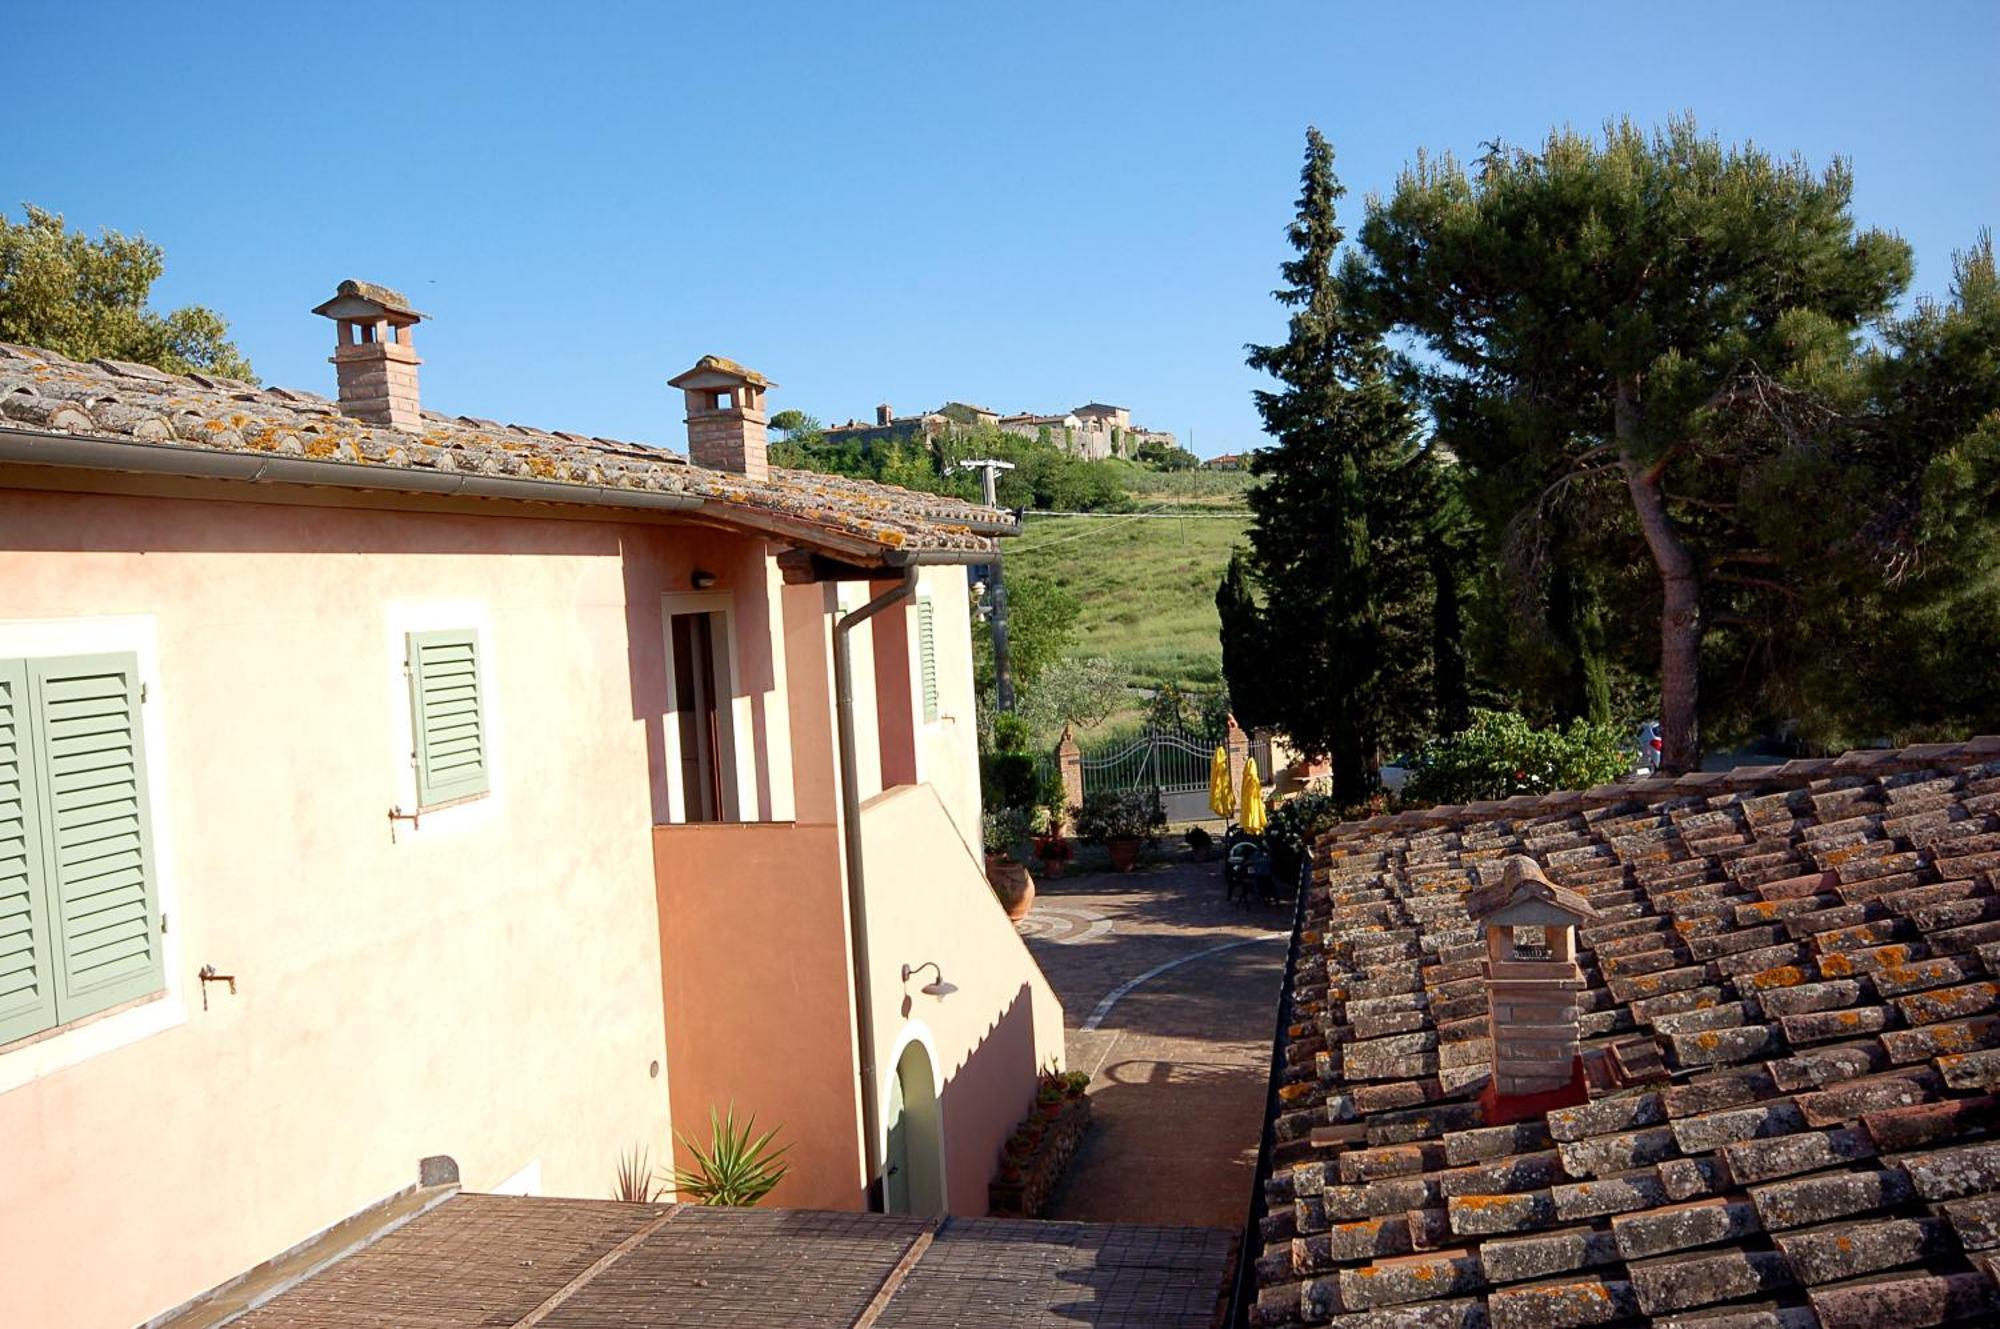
{"x": 448, "y": 719}
{"x": 79, "y": 894}
{"x": 927, "y": 657}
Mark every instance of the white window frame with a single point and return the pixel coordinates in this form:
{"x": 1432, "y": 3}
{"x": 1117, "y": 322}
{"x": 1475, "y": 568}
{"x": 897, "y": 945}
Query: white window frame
{"x": 95, "y": 1035}
{"x": 739, "y": 773}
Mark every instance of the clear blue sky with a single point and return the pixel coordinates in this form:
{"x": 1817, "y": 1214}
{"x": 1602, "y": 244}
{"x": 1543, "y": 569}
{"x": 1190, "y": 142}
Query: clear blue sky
{"x": 1024, "y": 205}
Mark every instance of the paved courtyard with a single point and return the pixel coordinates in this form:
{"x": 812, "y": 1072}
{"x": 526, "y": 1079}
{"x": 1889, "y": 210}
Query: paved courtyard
{"x": 1171, "y": 1001}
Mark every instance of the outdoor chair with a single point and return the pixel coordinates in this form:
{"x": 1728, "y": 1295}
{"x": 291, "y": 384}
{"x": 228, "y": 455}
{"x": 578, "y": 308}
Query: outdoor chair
{"x": 1247, "y": 869}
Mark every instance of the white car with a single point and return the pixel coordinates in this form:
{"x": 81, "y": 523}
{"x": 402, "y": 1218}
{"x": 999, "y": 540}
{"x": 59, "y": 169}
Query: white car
{"x": 1649, "y": 747}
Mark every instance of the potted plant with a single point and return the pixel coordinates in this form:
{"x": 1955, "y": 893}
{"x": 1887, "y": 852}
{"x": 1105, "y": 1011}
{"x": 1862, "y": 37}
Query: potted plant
{"x": 1007, "y": 875}
{"x": 1121, "y": 821}
{"x": 1052, "y": 847}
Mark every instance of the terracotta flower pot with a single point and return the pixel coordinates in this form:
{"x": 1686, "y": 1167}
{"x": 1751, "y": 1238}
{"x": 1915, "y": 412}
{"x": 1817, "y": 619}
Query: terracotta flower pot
{"x": 1011, "y": 883}
{"x": 1124, "y": 852}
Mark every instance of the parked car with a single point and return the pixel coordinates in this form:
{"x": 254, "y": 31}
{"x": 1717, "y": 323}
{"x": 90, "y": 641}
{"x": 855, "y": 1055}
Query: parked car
{"x": 1649, "y": 747}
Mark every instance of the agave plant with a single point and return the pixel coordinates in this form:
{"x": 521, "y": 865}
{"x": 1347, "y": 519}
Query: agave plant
{"x": 635, "y": 1184}
{"x": 738, "y": 1167}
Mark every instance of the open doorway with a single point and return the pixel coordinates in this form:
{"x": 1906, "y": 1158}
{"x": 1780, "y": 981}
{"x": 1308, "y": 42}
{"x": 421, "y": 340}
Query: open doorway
{"x": 700, "y": 724}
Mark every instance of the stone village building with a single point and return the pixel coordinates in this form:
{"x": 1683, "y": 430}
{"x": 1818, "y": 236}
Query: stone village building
{"x": 1094, "y": 432}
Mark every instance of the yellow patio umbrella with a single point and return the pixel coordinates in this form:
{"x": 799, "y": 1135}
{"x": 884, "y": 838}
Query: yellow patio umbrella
{"x": 1253, "y": 817}
{"x": 1221, "y": 798}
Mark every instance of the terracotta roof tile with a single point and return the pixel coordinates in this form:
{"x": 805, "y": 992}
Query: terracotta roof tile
{"x": 1810, "y": 954}
{"x": 42, "y": 392}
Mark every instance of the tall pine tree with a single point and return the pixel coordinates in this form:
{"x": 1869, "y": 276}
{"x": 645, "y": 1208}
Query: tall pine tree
{"x": 1341, "y": 536}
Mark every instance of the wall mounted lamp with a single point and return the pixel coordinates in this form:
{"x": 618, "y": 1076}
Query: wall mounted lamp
{"x": 941, "y": 988}
{"x": 702, "y": 579}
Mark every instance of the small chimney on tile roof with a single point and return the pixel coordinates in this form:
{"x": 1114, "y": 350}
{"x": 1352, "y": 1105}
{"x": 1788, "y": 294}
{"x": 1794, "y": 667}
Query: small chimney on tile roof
{"x": 1532, "y": 978}
{"x": 372, "y": 359}
{"x": 725, "y": 416}
{"x": 883, "y": 415}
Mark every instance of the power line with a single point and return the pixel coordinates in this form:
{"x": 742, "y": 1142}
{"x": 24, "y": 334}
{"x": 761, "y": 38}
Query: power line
{"x": 1231, "y": 513}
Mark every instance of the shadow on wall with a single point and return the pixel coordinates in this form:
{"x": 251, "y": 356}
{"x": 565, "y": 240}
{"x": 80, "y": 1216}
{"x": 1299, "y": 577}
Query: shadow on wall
{"x": 653, "y": 568}
{"x": 985, "y": 1096}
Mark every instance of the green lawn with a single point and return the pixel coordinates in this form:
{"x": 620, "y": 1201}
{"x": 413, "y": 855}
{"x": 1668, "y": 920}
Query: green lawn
{"x": 1147, "y": 587}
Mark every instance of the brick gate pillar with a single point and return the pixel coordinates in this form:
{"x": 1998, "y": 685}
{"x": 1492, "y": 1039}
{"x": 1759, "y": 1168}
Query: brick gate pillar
{"x": 1238, "y": 744}
{"x": 1069, "y": 762}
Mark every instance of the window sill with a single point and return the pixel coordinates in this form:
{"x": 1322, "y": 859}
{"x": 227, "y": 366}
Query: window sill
{"x": 28, "y": 1059}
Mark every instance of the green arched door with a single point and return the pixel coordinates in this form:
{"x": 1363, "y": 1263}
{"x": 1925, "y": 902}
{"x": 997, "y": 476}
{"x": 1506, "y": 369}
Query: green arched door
{"x": 914, "y": 1181}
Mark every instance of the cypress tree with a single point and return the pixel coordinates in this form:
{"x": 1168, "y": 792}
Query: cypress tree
{"x": 1244, "y": 648}
{"x": 1339, "y": 529}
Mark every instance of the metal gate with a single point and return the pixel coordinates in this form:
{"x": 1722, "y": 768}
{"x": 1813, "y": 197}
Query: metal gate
{"x": 1169, "y": 760}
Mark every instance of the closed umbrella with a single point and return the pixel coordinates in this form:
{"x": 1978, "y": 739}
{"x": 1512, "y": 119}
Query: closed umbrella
{"x": 1221, "y": 798}
{"x": 1253, "y": 817}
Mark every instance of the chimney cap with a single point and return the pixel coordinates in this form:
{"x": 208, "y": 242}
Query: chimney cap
{"x": 366, "y": 299}
{"x": 1523, "y": 886}
{"x": 715, "y": 371}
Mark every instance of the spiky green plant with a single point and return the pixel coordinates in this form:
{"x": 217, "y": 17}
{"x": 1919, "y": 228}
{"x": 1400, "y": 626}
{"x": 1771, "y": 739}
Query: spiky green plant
{"x": 738, "y": 1167}
{"x": 635, "y": 1184}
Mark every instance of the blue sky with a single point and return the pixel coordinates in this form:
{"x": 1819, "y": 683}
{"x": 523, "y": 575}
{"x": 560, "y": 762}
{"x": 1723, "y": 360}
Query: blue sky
{"x": 1023, "y": 205}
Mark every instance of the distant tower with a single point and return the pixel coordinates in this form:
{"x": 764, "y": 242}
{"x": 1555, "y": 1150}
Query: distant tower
{"x": 372, "y": 359}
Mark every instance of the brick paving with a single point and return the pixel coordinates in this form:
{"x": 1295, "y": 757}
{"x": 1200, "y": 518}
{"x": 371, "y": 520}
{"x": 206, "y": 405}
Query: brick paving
{"x": 1179, "y": 1064}
{"x": 489, "y": 1260}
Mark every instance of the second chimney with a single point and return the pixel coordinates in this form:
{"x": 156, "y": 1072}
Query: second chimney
{"x": 372, "y": 359}
{"x": 1532, "y": 977}
{"x": 725, "y": 416}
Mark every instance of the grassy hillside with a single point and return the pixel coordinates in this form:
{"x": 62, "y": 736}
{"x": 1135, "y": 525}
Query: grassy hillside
{"x": 1147, "y": 585}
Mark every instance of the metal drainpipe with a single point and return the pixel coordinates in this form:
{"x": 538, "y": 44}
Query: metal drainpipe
{"x": 857, "y": 893}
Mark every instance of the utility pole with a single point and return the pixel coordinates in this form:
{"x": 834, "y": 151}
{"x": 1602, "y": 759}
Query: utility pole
{"x": 1003, "y": 673}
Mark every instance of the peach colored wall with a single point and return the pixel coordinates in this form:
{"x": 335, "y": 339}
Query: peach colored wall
{"x": 759, "y": 1000}
{"x": 928, "y": 900}
{"x": 487, "y": 986}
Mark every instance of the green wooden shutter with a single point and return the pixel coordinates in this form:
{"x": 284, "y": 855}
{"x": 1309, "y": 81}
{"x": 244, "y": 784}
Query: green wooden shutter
{"x": 27, "y": 965}
{"x": 447, "y": 720}
{"x": 97, "y": 843}
{"x": 927, "y": 657}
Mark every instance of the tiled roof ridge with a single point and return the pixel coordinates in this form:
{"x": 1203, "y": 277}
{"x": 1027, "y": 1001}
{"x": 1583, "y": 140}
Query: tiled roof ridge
{"x": 43, "y": 392}
{"x": 1789, "y": 1007}
{"x": 1794, "y": 774}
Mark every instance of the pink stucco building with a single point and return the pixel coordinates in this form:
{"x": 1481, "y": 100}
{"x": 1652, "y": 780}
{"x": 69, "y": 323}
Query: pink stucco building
{"x": 378, "y": 786}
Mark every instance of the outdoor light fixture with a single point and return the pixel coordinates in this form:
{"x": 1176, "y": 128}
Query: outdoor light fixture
{"x": 702, "y": 580}
{"x": 938, "y": 989}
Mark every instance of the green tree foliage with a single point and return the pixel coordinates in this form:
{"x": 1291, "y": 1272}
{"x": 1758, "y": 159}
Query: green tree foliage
{"x": 1041, "y": 628}
{"x": 87, "y": 299}
{"x": 1499, "y": 755}
{"x": 1341, "y": 516}
{"x": 1606, "y": 321}
{"x": 1165, "y": 456}
{"x": 1073, "y": 692}
{"x": 1246, "y": 661}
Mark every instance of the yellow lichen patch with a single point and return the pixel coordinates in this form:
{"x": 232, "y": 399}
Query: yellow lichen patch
{"x": 1707, "y": 1042}
{"x": 541, "y": 467}
{"x": 1292, "y": 1093}
{"x": 1784, "y": 976}
{"x": 1835, "y": 965}
{"x": 214, "y": 426}
{"x": 320, "y": 447}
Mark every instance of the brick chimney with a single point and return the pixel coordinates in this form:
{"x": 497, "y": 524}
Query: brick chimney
{"x": 725, "y": 416}
{"x": 883, "y": 415}
{"x": 372, "y": 359}
{"x": 1532, "y": 978}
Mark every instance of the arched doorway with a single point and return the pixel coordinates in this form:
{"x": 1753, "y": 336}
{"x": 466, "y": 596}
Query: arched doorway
{"x": 914, "y": 1183}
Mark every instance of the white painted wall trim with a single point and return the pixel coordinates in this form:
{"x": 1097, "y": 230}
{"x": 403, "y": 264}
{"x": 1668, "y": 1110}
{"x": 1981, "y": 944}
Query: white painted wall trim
{"x": 739, "y": 756}
{"x": 138, "y": 635}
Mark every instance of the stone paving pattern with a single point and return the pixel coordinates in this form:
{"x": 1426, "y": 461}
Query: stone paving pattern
{"x": 1180, "y": 1066}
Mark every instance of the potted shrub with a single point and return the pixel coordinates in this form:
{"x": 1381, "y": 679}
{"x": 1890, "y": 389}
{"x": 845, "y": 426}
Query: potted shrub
{"x": 1007, "y": 875}
{"x": 1121, "y": 821}
{"x": 1052, "y": 847}
{"x": 1200, "y": 844}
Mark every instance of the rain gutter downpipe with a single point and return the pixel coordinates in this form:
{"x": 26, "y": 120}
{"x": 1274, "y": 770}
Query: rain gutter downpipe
{"x": 857, "y": 890}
